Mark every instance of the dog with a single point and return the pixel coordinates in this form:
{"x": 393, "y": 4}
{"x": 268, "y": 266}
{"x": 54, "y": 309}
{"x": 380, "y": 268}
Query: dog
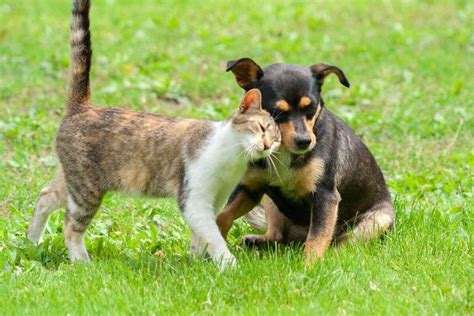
{"x": 325, "y": 186}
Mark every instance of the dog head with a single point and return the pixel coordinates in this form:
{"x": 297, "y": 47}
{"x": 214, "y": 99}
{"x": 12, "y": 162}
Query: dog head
{"x": 291, "y": 93}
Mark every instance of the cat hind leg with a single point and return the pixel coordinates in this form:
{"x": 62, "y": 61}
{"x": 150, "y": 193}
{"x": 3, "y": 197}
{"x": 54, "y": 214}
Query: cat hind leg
{"x": 52, "y": 197}
{"x": 76, "y": 221}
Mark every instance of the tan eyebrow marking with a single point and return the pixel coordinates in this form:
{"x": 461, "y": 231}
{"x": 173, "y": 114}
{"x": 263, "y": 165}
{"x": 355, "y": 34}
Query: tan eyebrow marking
{"x": 282, "y": 105}
{"x": 304, "y": 101}
{"x": 318, "y": 110}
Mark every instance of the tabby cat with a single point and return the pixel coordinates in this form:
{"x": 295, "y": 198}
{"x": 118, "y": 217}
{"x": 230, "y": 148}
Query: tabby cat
{"x": 103, "y": 149}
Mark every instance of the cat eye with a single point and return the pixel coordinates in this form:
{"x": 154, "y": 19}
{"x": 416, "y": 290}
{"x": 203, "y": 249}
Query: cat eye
{"x": 262, "y": 128}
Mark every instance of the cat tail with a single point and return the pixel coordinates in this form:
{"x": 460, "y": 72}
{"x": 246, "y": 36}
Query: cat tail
{"x": 81, "y": 53}
{"x": 256, "y": 218}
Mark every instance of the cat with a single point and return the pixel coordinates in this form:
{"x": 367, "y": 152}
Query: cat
{"x": 103, "y": 149}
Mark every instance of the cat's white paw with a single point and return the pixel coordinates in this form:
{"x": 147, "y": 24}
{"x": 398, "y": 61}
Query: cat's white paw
{"x": 79, "y": 256}
{"x": 227, "y": 262}
{"x": 34, "y": 237}
{"x": 197, "y": 249}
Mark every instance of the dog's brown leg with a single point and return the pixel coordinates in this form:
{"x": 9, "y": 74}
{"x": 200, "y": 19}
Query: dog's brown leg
{"x": 239, "y": 205}
{"x": 323, "y": 224}
{"x": 369, "y": 225}
{"x": 275, "y": 225}
{"x": 296, "y": 233}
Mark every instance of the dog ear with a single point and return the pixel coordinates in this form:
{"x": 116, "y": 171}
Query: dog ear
{"x": 246, "y": 72}
{"x": 320, "y": 71}
{"x": 252, "y": 100}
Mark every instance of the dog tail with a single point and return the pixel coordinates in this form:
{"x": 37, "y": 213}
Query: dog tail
{"x": 256, "y": 218}
{"x": 81, "y": 54}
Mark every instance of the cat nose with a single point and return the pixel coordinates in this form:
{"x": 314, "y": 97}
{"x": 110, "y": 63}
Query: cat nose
{"x": 302, "y": 142}
{"x": 266, "y": 145}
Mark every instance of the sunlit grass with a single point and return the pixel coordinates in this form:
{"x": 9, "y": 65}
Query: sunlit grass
{"x": 411, "y": 99}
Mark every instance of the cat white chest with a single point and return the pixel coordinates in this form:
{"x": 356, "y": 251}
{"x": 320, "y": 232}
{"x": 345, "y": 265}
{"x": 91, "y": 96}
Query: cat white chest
{"x": 217, "y": 170}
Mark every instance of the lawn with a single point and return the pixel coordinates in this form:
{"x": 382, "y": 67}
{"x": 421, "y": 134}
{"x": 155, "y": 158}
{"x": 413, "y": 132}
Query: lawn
{"x": 410, "y": 64}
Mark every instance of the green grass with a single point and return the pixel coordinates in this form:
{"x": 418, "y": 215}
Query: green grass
{"x": 410, "y": 64}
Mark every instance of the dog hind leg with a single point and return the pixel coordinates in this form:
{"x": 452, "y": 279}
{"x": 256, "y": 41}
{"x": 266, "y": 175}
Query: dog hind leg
{"x": 370, "y": 225}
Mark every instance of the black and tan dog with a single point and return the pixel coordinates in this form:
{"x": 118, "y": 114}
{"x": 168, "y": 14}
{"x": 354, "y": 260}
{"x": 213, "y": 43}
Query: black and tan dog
{"x": 325, "y": 186}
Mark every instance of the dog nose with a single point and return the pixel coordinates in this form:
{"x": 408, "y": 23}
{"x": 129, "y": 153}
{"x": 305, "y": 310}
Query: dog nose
{"x": 302, "y": 142}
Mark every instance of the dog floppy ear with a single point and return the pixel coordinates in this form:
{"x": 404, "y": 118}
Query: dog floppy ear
{"x": 246, "y": 72}
{"x": 251, "y": 100}
{"x": 320, "y": 71}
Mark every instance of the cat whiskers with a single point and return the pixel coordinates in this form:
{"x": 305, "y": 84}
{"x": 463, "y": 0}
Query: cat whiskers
{"x": 277, "y": 116}
{"x": 242, "y": 152}
{"x": 273, "y": 166}
{"x": 252, "y": 150}
{"x": 237, "y": 144}
{"x": 246, "y": 152}
{"x": 274, "y": 155}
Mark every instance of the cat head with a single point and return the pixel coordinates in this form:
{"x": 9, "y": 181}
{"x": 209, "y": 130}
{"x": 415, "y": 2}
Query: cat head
{"x": 260, "y": 134}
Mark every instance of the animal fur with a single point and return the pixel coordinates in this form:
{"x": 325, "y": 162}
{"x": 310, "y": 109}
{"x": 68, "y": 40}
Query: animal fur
{"x": 330, "y": 188}
{"x": 103, "y": 149}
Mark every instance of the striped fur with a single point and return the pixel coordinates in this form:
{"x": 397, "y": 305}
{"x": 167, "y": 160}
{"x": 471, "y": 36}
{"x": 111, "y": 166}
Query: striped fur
{"x": 81, "y": 54}
{"x": 108, "y": 149}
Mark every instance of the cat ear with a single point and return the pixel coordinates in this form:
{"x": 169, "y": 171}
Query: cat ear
{"x": 251, "y": 100}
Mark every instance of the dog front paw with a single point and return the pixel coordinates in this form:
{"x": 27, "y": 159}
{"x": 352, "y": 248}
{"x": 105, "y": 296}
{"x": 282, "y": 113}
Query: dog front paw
{"x": 255, "y": 240}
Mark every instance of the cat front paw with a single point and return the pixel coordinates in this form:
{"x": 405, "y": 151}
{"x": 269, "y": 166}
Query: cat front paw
{"x": 198, "y": 250}
{"x": 227, "y": 262}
